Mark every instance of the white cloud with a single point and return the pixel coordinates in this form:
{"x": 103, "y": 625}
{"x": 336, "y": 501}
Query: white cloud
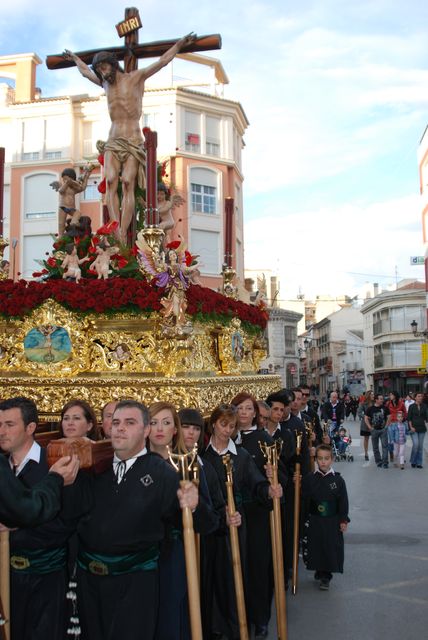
{"x": 335, "y": 250}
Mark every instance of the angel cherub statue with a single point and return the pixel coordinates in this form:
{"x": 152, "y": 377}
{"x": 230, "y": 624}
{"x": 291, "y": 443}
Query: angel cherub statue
{"x": 71, "y": 263}
{"x": 68, "y": 186}
{"x": 174, "y": 270}
{"x": 167, "y": 202}
{"x": 101, "y": 264}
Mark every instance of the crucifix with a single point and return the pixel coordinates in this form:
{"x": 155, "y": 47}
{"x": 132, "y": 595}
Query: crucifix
{"x": 125, "y": 151}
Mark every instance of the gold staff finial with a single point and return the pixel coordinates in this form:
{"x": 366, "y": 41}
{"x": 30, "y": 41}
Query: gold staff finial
{"x": 184, "y": 463}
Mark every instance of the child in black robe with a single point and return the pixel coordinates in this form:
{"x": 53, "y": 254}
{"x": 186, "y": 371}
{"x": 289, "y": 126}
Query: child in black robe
{"x": 325, "y": 509}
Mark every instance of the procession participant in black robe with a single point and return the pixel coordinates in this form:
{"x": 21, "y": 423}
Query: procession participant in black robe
{"x": 325, "y": 507}
{"x": 259, "y": 565}
{"x": 295, "y": 426}
{"x": 247, "y": 481}
{"x": 193, "y": 427}
{"x": 132, "y": 504}
{"x": 166, "y": 433}
{"x": 23, "y": 507}
{"x": 106, "y": 417}
{"x": 78, "y": 420}
{"x": 38, "y": 556}
{"x": 308, "y": 410}
{"x": 276, "y": 429}
{"x": 293, "y": 421}
{"x": 280, "y": 409}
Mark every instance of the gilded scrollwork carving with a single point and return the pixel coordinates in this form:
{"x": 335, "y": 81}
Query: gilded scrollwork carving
{"x": 55, "y": 354}
{"x": 206, "y": 392}
{"x": 49, "y": 340}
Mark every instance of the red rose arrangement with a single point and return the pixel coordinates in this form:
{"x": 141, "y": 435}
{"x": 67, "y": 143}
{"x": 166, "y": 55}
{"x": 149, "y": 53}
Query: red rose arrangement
{"x": 104, "y": 296}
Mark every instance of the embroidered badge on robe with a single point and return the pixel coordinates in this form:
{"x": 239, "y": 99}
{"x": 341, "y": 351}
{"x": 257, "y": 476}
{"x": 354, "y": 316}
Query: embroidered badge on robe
{"x": 147, "y": 480}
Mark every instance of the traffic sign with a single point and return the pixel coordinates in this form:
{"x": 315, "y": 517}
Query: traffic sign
{"x": 417, "y": 260}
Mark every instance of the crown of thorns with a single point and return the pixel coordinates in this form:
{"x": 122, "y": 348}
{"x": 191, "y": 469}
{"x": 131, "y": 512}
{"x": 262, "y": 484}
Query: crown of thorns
{"x": 104, "y": 56}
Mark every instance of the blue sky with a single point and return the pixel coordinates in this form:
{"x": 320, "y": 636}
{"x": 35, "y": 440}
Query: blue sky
{"x": 337, "y": 98}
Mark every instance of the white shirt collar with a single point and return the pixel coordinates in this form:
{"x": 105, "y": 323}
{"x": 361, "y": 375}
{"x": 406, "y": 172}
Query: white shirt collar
{"x": 329, "y": 472}
{"x": 277, "y": 428}
{"x": 32, "y": 454}
{"x": 238, "y": 439}
{"x": 128, "y": 463}
{"x": 231, "y": 447}
{"x": 253, "y": 427}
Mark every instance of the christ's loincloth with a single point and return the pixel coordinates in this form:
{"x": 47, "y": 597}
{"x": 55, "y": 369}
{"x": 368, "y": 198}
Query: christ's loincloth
{"x": 121, "y": 148}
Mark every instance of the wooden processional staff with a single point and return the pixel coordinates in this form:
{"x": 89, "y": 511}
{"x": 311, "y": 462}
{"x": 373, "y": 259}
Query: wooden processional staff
{"x": 236, "y": 555}
{"x": 309, "y": 433}
{"x": 194, "y": 477}
{"x": 4, "y": 586}
{"x": 184, "y": 464}
{"x": 272, "y": 453}
{"x": 296, "y": 515}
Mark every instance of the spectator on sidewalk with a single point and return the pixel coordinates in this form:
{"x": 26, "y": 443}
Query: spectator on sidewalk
{"x": 417, "y": 419}
{"x": 375, "y": 419}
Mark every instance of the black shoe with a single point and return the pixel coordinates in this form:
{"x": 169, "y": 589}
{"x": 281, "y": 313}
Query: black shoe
{"x": 379, "y": 464}
{"x": 419, "y": 466}
{"x": 325, "y": 584}
{"x": 261, "y": 631}
{"x": 317, "y": 575}
{"x": 413, "y": 466}
{"x": 385, "y": 465}
{"x": 366, "y": 457}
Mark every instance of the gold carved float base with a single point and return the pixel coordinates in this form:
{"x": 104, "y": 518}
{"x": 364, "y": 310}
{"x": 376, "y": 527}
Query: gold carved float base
{"x": 55, "y": 354}
{"x": 205, "y": 393}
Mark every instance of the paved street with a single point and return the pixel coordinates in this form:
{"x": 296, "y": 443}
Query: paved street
{"x": 384, "y": 590}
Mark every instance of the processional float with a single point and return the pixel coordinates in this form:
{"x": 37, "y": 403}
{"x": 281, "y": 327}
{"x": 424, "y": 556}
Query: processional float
{"x": 147, "y": 332}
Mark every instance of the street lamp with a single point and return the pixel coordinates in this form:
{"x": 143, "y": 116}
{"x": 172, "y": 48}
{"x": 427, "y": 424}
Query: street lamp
{"x": 416, "y": 333}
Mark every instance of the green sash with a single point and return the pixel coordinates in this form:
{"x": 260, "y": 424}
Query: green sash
{"x": 102, "y": 565}
{"x": 38, "y": 560}
{"x": 326, "y": 508}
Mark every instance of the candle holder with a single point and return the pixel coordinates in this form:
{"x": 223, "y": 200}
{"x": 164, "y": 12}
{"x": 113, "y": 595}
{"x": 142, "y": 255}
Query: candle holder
{"x": 154, "y": 237}
{"x": 4, "y": 273}
{"x": 229, "y": 289}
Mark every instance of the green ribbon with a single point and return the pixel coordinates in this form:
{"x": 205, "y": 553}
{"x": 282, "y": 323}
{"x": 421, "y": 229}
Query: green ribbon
{"x": 326, "y": 508}
{"x": 38, "y": 560}
{"x": 102, "y": 565}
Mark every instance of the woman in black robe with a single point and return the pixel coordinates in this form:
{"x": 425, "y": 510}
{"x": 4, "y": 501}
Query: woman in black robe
{"x": 247, "y": 482}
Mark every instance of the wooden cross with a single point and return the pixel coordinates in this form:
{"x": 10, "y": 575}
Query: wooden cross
{"x": 132, "y": 51}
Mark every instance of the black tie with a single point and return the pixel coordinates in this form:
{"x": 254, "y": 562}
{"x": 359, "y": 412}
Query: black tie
{"x": 120, "y": 470}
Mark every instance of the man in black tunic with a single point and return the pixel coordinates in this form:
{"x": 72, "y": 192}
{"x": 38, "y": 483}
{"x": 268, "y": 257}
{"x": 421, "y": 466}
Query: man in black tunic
{"x": 24, "y": 507}
{"x": 37, "y": 555}
{"x": 131, "y": 504}
{"x": 293, "y": 424}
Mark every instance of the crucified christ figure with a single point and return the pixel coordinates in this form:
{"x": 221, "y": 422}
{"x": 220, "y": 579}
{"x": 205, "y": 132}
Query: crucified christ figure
{"x": 123, "y": 152}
